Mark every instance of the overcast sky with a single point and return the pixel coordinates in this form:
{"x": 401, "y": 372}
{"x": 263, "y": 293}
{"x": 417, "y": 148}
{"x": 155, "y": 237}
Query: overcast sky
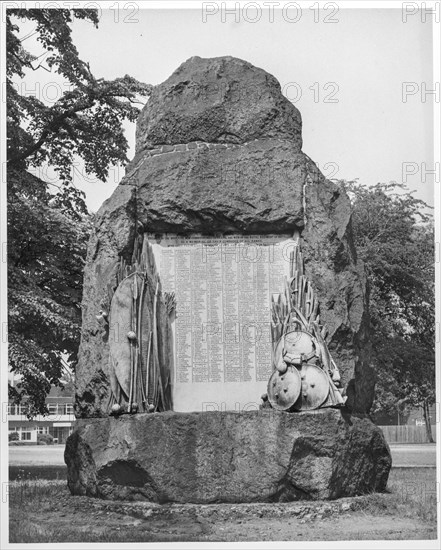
{"x": 346, "y": 78}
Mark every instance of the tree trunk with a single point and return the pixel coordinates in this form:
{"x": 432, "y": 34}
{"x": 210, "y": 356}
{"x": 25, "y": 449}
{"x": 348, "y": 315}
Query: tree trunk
{"x": 427, "y": 421}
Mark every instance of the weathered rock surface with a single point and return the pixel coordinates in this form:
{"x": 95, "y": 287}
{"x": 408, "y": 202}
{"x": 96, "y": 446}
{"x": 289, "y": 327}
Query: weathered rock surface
{"x": 254, "y": 187}
{"x": 340, "y": 284}
{"x": 219, "y": 100}
{"x": 213, "y": 160}
{"x": 207, "y": 457}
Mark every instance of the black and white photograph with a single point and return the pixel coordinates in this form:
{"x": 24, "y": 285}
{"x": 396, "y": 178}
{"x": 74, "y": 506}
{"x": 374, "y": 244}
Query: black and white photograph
{"x": 220, "y": 276}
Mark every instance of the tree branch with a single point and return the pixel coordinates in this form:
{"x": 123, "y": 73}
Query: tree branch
{"x": 52, "y": 128}
{"x": 60, "y": 121}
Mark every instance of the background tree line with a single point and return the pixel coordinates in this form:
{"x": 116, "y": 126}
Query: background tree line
{"x": 48, "y": 226}
{"x": 394, "y": 236}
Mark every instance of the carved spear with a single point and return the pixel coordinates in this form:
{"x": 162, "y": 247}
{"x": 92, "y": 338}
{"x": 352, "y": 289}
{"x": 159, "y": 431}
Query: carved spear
{"x": 139, "y": 354}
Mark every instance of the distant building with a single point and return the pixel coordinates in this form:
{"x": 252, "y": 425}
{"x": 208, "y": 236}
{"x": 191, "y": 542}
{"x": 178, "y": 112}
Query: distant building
{"x": 59, "y": 423}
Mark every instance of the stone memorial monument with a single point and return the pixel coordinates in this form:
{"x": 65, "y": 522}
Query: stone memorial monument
{"x": 225, "y": 348}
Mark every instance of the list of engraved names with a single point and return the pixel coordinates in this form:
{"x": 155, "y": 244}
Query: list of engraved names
{"x": 223, "y": 289}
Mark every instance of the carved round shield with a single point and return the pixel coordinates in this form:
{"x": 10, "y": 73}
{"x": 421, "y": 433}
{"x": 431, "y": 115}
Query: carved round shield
{"x": 314, "y": 388}
{"x": 284, "y": 389}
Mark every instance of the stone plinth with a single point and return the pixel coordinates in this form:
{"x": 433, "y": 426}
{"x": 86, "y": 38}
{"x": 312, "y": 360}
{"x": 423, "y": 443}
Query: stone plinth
{"x": 227, "y": 456}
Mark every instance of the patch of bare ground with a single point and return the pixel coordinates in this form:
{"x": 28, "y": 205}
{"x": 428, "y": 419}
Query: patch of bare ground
{"x": 44, "y": 511}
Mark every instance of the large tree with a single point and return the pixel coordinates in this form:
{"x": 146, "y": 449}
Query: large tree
{"x": 48, "y": 222}
{"x": 46, "y": 250}
{"x": 393, "y": 233}
{"x": 86, "y": 121}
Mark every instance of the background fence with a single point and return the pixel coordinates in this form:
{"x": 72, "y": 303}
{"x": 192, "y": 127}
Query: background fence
{"x": 407, "y": 434}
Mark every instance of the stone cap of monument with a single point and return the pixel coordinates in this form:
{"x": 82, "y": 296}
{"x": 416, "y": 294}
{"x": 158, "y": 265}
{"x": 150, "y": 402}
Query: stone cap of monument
{"x": 217, "y": 100}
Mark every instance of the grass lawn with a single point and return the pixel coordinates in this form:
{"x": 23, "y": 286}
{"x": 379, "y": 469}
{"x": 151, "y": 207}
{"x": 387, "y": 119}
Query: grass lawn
{"x": 40, "y": 472}
{"x": 44, "y": 511}
{"x": 48, "y": 455}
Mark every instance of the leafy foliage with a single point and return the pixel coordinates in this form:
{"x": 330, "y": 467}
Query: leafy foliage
{"x": 394, "y": 237}
{"x": 45, "y": 439}
{"x": 45, "y": 263}
{"x": 86, "y": 121}
{"x": 48, "y": 225}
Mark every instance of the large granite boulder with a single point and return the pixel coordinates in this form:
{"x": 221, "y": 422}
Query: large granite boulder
{"x": 257, "y": 456}
{"x": 218, "y": 100}
{"x": 219, "y": 150}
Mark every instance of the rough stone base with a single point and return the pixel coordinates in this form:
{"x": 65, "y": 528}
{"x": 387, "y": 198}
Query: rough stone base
{"x": 258, "y": 456}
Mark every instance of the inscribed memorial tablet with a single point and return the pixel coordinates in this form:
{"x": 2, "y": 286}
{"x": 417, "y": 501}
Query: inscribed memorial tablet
{"x": 222, "y": 336}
